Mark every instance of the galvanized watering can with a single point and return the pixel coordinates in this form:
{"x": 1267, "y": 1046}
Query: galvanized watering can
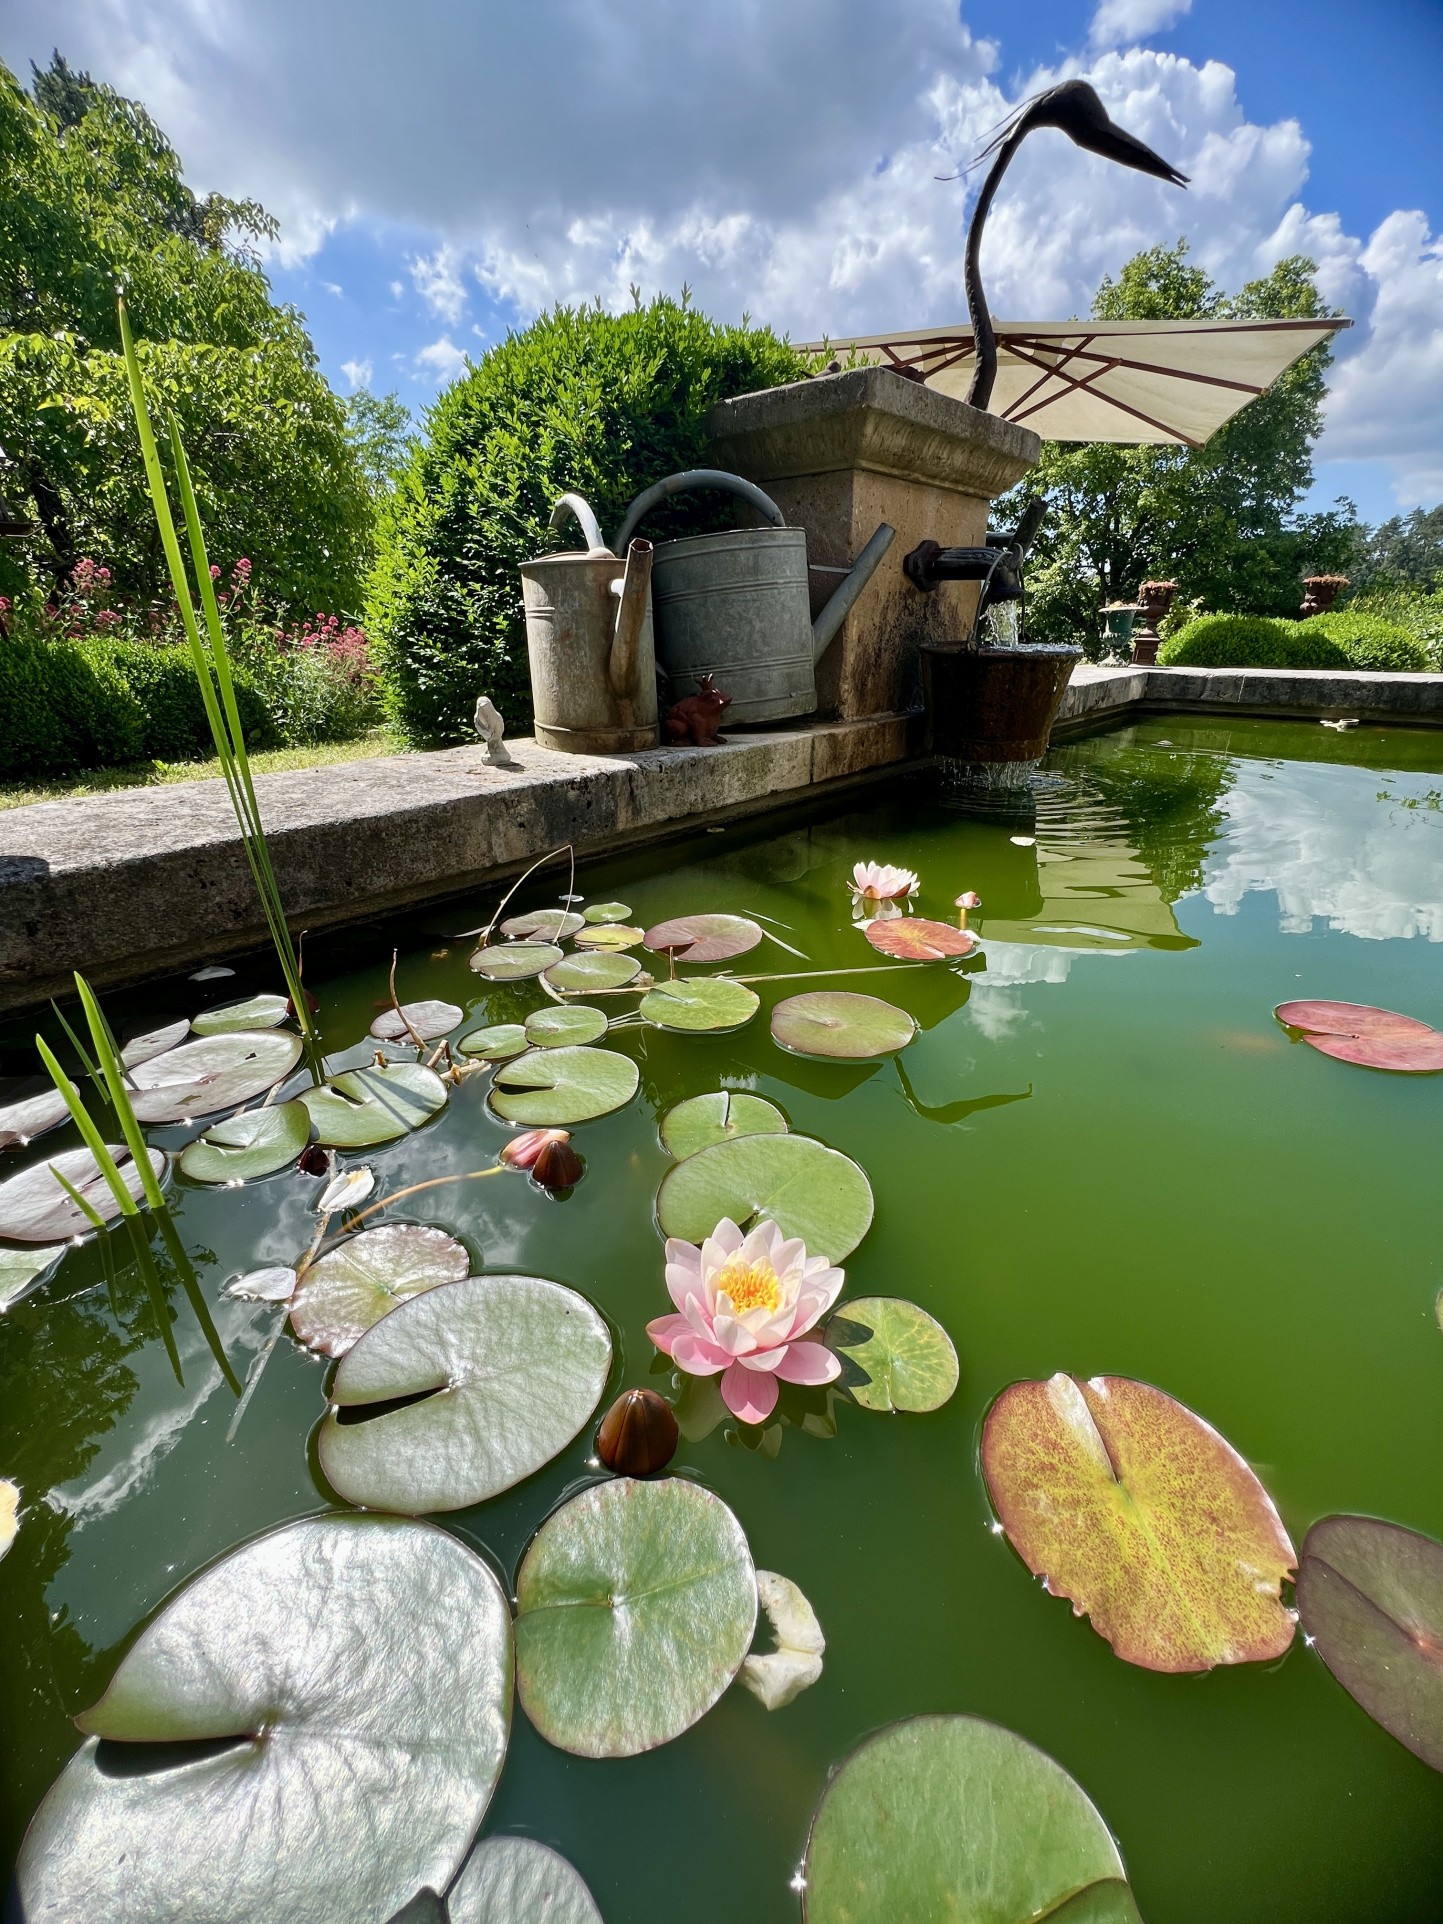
{"x": 737, "y": 606}
{"x": 589, "y": 643}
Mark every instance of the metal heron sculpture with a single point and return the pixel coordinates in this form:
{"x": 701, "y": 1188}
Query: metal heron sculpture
{"x": 1075, "y": 110}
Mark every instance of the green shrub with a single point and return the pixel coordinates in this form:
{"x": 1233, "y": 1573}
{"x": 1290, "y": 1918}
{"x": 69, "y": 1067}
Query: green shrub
{"x": 162, "y": 680}
{"x": 60, "y": 709}
{"x": 308, "y": 695}
{"x": 1370, "y": 642}
{"x": 1415, "y": 609}
{"x": 602, "y": 404}
{"x": 1250, "y": 641}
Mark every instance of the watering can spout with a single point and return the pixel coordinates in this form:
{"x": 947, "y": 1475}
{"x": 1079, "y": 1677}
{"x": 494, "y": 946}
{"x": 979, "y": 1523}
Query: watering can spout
{"x": 824, "y": 628}
{"x": 633, "y": 590}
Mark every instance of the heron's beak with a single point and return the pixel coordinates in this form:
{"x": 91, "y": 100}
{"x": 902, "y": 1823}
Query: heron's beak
{"x": 1113, "y": 143}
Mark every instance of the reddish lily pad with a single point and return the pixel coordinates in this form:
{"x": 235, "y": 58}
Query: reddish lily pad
{"x": 704, "y": 938}
{"x": 1370, "y": 1595}
{"x": 1144, "y": 1517}
{"x": 357, "y": 1283}
{"x": 33, "y": 1104}
{"x": 832, "y": 1022}
{"x": 1373, "y": 1038}
{"x": 425, "y": 1019}
{"x": 915, "y": 939}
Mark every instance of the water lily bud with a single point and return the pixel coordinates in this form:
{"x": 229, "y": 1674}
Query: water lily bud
{"x": 638, "y": 1434}
{"x": 968, "y": 899}
{"x": 547, "y": 1155}
{"x": 314, "y": 1160}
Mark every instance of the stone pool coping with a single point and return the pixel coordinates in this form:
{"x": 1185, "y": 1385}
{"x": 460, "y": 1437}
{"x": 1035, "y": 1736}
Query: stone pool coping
{"x": 1097, "y": 697}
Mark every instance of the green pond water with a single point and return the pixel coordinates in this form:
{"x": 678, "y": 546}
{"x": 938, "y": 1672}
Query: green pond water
{"x": 1100, "y": 1155}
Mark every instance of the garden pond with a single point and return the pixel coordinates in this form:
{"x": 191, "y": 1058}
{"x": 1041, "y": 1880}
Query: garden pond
{"x": 1100, "y": 1154}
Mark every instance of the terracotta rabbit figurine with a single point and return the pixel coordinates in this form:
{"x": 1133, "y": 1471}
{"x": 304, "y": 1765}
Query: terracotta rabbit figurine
{"x": 695, "y": 718}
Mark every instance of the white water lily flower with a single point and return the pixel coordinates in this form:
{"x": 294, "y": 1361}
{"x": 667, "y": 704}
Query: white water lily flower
{"x": 775, "y": 1677}
{"x": 352, "y": 1186}
{"x": 881, "y": 882}
{"x": 274, "y": 1285}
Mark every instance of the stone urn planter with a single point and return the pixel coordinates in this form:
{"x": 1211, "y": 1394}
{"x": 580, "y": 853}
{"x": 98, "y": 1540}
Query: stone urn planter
{"x": 1154, "y": 598}
{"x": 1319, "y": 594}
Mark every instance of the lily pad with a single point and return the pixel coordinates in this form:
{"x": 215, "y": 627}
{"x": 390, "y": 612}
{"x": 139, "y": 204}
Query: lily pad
{"x": 213, "y": 1073}
{"x": 635, "y": 1606}
{"x": 507, "y": 1370}
{"x": 778, "y": 1677}
{"x": 702, "y": 1120}
{"x": 33, "y": 1104}
{"x": 35, "y": 1209}
{"x": 514, "y": 961}
{"x": 19, "y": 1268}
{"x": 360, "y": 1281}
{"x": 796, "y": 1182}
{"x": 545, "y": 925}
{"x": 704, "y": 938}
{"x": 427, "y": 1019}
{"x": 1373, "y": 1038}
{"x": 1370, "y": 1595}
{"x": 155, "y": 1042}
{"x": 908, "y": 1357}
{"x": 233, "y": 1018}
{"x": 255, "y": 1143}
{"x": 495, "y": 1044}
{"x": 356, "y": 1767}
{"x": 574, "y": 1023}
{"x": 593, "y": 970}
{"x": 379, "y": 1104}
{"x": 9, "y": 1513}
{"x": 606, "y": 912}
{"x": 609, "y": 936}
{"x": 915, "y": 939}
{"x": 515, "y": 1880}
{"x": 554, "y": 1087}
{"x": 700, "y": 1002}
{"x": 831, "y": 1022}
{"x": 954, "y": 1817}
{"x": 1144, "y": 1517}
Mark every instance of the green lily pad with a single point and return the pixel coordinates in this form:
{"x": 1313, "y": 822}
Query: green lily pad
{"x": 702, "y": 1120}
{"x": 33, "y": 1104}
{"x": 19, "y": 1268}
{"x": 426, "y": 1019}
{"x": 379, "y": 1104}
{"x": 508, "y": 1369}
{"x": 574, "y": 1023}
{"x": 606, "y": 912}
{"x": 1144, "y": 1517}
{"x": 495, "y": 1044}
{"x": 341, "y": 1656}
{"x": 514, "y": 961}
{"x": 154, "y": 1042}
{"x": 1370, "y": 1595}
{"x": 704, "y": 938}
{"x": 35, "y": 1209}
{"x": 215, "y": 1072}
{"x": 254, "y": 1143}
{"x": 515, "y": 1880}
{"x": 360, "y": 1281}
{"x": 830, "y": 1022}
{"x": 554, "y": 1087}
{"x": 908, "y": 1357}
{"x": 700, "y": 1002}
{"x": 544, "y": 925}
{"x": 609, "y": 936}
{"x": 953, "y": 1817}
{"x": 635, "y": 1605}
{"x": 796, "y": 1182}
{"x": 234, "y": 1018}
{"x": 593, "y": 970}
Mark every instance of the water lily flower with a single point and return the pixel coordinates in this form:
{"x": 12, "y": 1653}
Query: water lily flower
{"x": 547, "y": 1157}
{"x": 880, "y": 882}
{"x": 352, "y": 1186}
{"x": 747, "y": 1305}
{"x": 968, "y": 899}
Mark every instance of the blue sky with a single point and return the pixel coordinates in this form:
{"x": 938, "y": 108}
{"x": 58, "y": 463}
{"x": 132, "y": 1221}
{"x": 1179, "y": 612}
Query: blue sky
{"x": 443, "y": 170}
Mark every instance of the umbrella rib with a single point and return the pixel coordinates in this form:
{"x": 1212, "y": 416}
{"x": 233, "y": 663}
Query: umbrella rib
{"x": 1125, "y": 407}
{"x": 1059, "y": 366}
{"x": 1147, "y": 367}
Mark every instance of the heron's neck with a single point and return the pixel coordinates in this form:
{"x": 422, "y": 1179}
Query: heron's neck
{"x": 984, "y": 339}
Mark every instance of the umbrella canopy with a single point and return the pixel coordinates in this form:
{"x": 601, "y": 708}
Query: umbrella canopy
{"x": 1124, "y": 381}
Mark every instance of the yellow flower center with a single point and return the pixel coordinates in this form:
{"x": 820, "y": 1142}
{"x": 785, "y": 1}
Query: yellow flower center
{"x": 750, "y": 1285}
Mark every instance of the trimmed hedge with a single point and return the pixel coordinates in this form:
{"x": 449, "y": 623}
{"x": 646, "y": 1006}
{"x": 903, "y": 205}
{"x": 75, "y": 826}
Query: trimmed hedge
{"x": 1372, "y": 643}
{"x": 162, "y": 680}
{"x": 1251, "y": 641}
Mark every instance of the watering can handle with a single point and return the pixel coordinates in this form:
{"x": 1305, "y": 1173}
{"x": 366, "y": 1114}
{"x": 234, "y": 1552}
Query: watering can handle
{"x": 578, "y": 505}
{"x": 697, "y": 478}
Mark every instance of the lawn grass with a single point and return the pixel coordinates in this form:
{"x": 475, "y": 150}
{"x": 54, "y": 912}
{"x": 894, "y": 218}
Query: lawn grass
{"x": 94, "y": 781}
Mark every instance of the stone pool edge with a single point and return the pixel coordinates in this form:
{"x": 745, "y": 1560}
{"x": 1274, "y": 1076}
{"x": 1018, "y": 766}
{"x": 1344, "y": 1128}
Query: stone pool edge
{"x": 1098, "y": 697}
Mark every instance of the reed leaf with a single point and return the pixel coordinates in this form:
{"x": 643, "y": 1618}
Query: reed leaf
{"x": 94, "y": 1141}
{"x": 114, "y": 1074}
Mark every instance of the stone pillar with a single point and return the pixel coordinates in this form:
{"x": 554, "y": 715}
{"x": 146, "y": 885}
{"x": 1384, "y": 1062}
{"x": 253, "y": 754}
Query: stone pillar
{"x": 841, "y": 453}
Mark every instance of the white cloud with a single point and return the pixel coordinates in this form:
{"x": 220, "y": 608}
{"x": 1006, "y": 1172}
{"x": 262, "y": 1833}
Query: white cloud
{"x": 1120, "y": 22}
{"x": 442, "y": 359}
{"x": 437, "y": 279}
{"x": 398, "y": 288}
{"x": 358, "y": 373}
{"x": 333, "y": 287}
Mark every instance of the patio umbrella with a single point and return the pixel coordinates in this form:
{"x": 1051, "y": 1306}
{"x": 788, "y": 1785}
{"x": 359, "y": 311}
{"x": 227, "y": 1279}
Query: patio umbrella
{"x": 1124, "y": 381}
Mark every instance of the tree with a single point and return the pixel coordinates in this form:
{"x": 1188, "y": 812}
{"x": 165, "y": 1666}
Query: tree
{"x": 379, "y": 428}
{"x": 1404, "y": 552}
{"x": 1219, "y": 519}
{"x": 92, "y": 199}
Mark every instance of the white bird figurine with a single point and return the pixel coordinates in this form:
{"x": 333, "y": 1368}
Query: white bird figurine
{"x": 490, "y": 727}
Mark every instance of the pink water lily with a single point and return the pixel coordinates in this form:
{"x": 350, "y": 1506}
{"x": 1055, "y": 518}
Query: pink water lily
{"x": 748, "y": 1308}
{"x": 880, "y": 882}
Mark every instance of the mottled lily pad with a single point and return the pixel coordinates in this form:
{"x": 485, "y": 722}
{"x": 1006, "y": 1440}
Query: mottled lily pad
{"x": 32, "y": 1105}
{"x": 514, "y": 961}
{"x": 360, "y": 1281}
{"x": 702, "y": 1120}
{"x": 215, "y": 1072}
{"x": 1373, "y": 1038}
{"x": 704, "y": 938}
{"x": 796, "y": 1182}
{"x": 286, "y": 1819}
{"x": 234, "y": 1018}
{"x": 19, "y": 1268}
{"x": 554, "y": 1087}
{"x": 1370, "y": 1595}
{"x": 592, "y": 971}
{"x": 573, "y": 1023}
{"x": 915, "y": 939}
{"x": 155, "y": 1042}
{"x": 507, "y": 1368}
{"x": 379, "y": 1104}
{"x": 635, "y": 1606}
{"x": 543, "y": 925}
{"x": 1144, "y": 1517}
{"x": 953, "y": 1817}
{"x": 35, "y": 1209}
{"x": 515, "y": 1880}
{"x": 609, "y": 936}
{"x": 607, "y": 912}
{"x": 908, "y": 1357}
{"x": 425, "y": 1019}
{"x": 831, "y": 1022}
{"x": 495, "y": 1044}
{"x": 699, "y": 1003}
{"x": 254, "y": 1143}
